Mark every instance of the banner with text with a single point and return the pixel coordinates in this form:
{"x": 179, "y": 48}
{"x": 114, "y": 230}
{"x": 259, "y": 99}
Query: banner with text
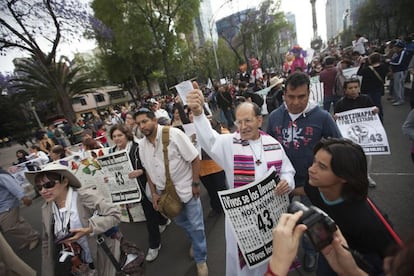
{"x": 364, "y": 127}
{"x": 116, "y": 167}
{"x": 254, "y": 211}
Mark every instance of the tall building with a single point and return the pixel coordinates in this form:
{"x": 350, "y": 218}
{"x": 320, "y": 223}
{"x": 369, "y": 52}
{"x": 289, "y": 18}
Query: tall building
{"x": 286, "y": 35}
{"x": 204, "y": 25}
{"x": 337, "y": 17}
{"x": 354, "y": 5}
{"x": 340, "y": 15}
{"x": 229, "y": 26}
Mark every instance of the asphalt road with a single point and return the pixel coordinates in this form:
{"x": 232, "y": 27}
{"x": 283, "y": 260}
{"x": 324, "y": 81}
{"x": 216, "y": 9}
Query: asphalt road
{"x": 393, "y": 194}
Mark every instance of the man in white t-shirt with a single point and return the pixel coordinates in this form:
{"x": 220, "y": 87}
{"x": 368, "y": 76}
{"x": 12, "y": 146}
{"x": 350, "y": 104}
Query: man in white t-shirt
{"x": 184, "y": 168}
{"x": 358, "y": 44}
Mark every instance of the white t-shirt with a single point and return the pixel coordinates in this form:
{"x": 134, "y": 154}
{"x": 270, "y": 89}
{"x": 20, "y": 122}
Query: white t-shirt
{"x": 181, "y": 152}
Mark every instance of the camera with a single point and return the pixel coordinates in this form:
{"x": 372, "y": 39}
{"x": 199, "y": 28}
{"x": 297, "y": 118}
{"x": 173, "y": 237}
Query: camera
{"x": 320, "y": 227}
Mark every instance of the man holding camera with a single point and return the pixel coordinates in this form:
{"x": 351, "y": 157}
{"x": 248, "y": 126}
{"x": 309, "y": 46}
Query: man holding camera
{"x": 286, "y": 238}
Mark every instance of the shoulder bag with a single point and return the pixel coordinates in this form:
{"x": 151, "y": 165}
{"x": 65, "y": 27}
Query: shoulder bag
{"x": 376, "y": 74}
{"x": 131, "y": 260}
{"x": 384, "y": 221}
{"x": 169, "y": 204}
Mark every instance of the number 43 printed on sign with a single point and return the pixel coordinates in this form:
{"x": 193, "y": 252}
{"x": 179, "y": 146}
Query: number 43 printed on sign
{"x": 264, "y": 221}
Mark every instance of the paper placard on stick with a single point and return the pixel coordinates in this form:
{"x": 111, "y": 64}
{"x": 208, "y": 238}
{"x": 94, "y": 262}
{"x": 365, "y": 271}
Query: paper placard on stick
{"x": 183, "y": 88}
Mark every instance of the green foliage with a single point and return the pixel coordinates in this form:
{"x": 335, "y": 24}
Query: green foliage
{"x": 15, "y": 124}
{"x": 37, "y": 27}
{"x": 229, "y": 63}
{"x": 56, "y": 82}
{"x": 385, "y": 19}
{"x": 259, "y": 33}
{"x": 145, "y": 37}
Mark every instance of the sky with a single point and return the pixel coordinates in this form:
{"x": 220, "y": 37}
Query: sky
{"x": 221, "y": 8}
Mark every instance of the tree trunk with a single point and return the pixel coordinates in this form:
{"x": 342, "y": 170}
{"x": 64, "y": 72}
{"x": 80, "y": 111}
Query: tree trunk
{"x": 67, "y": 107}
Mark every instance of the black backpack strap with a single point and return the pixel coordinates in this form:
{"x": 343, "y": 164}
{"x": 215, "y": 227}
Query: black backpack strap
{"x": 101, "y": 242}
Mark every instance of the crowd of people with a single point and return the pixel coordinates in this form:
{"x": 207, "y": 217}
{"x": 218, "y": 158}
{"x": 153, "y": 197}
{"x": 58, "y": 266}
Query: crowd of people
{"x": 302, "y": 143}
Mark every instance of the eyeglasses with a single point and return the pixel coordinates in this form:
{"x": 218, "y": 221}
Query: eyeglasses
{"x": 47, "y": 185}
{"x": 245, "y": 121}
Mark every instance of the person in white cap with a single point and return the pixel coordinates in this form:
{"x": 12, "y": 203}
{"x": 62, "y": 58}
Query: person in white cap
{"x": 158, "y": 111}
{"x": 71, "y": 218}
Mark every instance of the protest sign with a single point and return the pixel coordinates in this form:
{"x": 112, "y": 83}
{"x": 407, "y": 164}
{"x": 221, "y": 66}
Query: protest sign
{"x": 254, "y": 210}
{"x": 116, "y": 167}
{"x": 316, "y": 90}
{"x": 351, "y": 72}
{"x": 364, "y": 127}
{"x": 183, "y": 88}
{"x": 189, "y": 129}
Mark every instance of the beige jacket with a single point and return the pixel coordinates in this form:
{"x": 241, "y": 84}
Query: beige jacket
{"x": 108, "y": 216}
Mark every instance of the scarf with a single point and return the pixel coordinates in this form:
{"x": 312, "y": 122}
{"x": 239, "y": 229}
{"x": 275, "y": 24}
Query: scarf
{"x": 244, "y": 165}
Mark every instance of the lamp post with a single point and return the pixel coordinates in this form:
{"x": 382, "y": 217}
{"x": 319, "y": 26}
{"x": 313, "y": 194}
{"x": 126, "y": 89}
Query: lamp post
{"x": 33, "y": 108}
{"x": 215, "y": 54}
{"x": 211, "y": 26}
{"x": 314, "y": 24}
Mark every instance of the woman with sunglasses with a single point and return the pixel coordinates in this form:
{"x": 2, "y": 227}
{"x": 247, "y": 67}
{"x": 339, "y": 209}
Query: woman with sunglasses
{"x": 71, "y": 220}
{"x": 123, "y": 139}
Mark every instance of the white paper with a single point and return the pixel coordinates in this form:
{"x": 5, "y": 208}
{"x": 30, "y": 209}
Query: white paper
{"x": 183, "y": 88}
{"x": 364, "y": 127}
{"x": 254, "y": 210}
{"x": 116, "y": 167}
{"x": 189, "y": 129}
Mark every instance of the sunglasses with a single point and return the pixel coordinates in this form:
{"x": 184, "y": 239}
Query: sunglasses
{"x": 47, "y": 185}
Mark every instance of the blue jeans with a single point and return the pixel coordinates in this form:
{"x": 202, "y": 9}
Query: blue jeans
{"x": 191, "y": 220}
{"x": 399, "y": 79}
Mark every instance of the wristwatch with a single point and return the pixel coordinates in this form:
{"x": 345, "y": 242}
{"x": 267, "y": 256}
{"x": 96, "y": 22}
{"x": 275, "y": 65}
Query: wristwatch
{"x": 195, "y": 183}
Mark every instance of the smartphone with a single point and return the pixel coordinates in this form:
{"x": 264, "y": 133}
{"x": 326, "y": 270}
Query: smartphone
{"x": 67, "y": 236}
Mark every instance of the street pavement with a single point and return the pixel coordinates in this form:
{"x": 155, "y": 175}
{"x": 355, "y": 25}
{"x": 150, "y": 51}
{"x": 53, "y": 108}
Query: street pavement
{"x": 393, "y": 194}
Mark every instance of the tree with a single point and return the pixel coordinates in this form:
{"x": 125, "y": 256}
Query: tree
{"x": 127, "y": 47}
{"x": 256, "y": 32}
{"x": 385, "y": 19}
{"x": 57, "y": 82}
{"x": 166, "y": 20}
{"x": 37, "y": 28}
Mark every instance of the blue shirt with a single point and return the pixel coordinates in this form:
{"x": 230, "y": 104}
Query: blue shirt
{"x": 10, "y": 192}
